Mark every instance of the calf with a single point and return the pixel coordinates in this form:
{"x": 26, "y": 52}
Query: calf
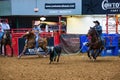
{"x": 54, "y": 53}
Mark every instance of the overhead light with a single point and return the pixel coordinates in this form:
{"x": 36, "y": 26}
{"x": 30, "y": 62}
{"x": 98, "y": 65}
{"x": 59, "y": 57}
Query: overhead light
{"x": 118, "y": 15}
{"x": 36, "y": 9}
{"x": 42, "y": 18}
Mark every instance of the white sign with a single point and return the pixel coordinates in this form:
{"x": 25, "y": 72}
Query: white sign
{"x": 107, "y": 5}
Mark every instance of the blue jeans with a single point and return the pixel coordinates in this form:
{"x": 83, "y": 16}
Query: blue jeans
{"x": 102, "y": 39}
{"x": 1, "y": 35}
{"x": 37, "y": 38}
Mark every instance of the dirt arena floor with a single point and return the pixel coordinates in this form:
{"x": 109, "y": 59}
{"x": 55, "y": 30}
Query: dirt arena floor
{"x": 70, "y": 67}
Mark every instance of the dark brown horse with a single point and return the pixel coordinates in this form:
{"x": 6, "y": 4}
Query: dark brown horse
{"x": 95, "y": 45}
{"x": 31, "y": 43}
{"x": 6, "y": 40}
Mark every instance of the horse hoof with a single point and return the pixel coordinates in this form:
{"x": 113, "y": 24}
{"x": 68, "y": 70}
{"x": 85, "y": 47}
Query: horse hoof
{"x": 44, "y": 56}
{"x": 19, "y": 57}
{"x": 3, "y": 54}
{"x": 90, "y": 58}
{"x": 57, "y": 60}
{"x": 11, "y": 56}
{"x": 39, "y": 55}
{"x": 94, "y": 60}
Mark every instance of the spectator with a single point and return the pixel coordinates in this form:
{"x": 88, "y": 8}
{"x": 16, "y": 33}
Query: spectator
{"x": 1, "y": 31}
{"x": 5, "y": 25}
{"x": 98, "y": 28}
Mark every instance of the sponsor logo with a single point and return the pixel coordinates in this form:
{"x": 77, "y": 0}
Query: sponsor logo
{"x": 106, "y": 5}
{"x": 59, "y": 5}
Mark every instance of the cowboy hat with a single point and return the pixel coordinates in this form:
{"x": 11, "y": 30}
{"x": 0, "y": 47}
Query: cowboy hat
{"x": 96, "y": 22}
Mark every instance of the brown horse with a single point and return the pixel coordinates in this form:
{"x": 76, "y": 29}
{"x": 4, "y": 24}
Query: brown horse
{"x": 42, "y": 42}
{"x": 31, "y": 43}
{"x": 95, "y": 45}
{"x": 6, "y": 40}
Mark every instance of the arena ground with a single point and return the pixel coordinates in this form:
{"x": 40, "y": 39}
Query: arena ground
{"x": 70, "y": 67}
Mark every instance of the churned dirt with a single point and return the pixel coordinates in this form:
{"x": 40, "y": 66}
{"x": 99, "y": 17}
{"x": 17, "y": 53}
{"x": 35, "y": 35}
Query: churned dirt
{"x": 70, "y": 67}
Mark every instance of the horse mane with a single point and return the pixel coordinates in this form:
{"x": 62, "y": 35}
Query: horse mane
{"x": 30, "y": 38}
{"x": 92, "y": 32}
{"x": 28, "y": 35}
{"x": 92, "y": 35}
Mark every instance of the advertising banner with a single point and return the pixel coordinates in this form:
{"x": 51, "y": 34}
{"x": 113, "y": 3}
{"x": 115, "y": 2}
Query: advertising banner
{"x": 40, "y": 7}
{"x": 70, "y": 43}
{"x": 59, "y": 7}
{"x": 100, "y": 6}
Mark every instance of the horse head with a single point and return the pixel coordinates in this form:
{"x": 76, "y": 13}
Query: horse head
{"x": 91, "y": 31}
{"x": 92, "y": 35}
{"x": 30, "y": 38}
{"x": 29, "y": 35}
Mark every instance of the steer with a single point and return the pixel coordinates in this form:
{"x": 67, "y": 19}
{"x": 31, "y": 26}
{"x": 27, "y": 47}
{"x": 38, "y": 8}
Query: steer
{"x": 54, "y": 53}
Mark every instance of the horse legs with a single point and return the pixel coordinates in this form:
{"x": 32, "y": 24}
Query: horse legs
{"x": 88, "y": 53}
{"x": 11, "y": 50}
{"x": 55, "y": 58}
{"x": 51, "y": 60}
{"x": 52, "y": 57}
{"x": 58, "y": 57}
{"x": 25, "y": 47}
{"x": 11, "y": 54}
{"x": 99, "y": 52}
{"x": 94, "y": 54}
{"x": 37, "y": 52}
{"x": 1, "y": 49}
{"x": 4, "y": 50}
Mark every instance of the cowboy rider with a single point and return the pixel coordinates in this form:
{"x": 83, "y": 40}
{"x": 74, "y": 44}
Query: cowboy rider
{"x": 98, "y": 28}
